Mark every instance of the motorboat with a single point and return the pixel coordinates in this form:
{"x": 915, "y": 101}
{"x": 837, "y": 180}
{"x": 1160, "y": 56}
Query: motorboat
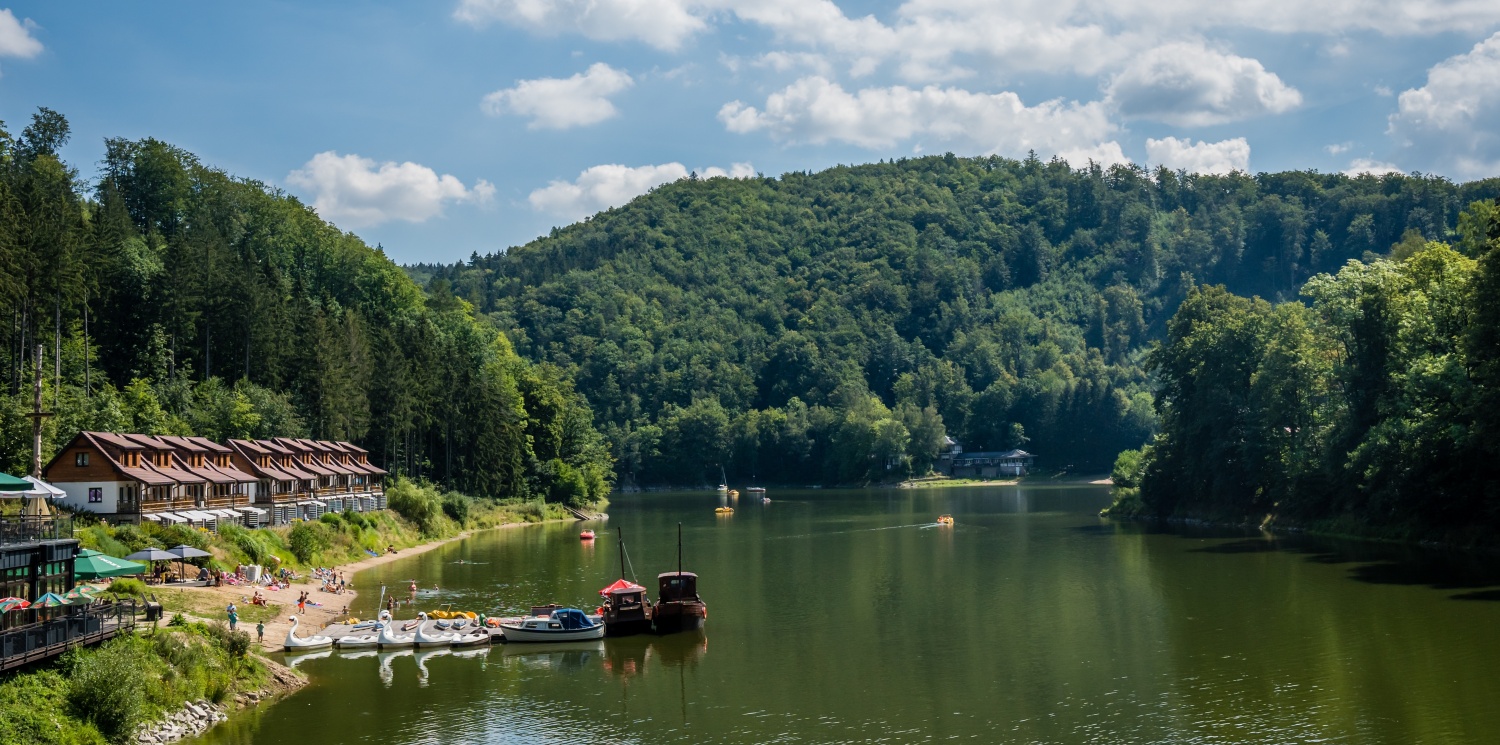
{"x": 945, "y": 520}
{"x": 755, "y": 490}
{"x": 563, "y": 625}
{"x": 587, "y": 535}
{"x": 424, "y": 639}
{"x": 389, "y": 637}
{"x": 296, "y": 643}
{"x": 369, "y": 639}
{"x": 724, "y": 510}
{"x": 678, "y": 607}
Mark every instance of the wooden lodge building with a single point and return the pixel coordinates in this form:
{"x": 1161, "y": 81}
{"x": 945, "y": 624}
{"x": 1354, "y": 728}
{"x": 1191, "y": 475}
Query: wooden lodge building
{"x": 196, "y": 481}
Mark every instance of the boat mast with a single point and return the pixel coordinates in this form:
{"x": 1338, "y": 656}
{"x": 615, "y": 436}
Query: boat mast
{"x": 621, "y": 535}
{"x": 679, "y": 548}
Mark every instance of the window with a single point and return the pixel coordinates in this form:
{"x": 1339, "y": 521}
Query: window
{"x": 96, "y": 495}
{"x": 80, "y": 459}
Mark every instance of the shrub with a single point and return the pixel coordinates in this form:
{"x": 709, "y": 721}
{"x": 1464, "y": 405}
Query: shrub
{"x": 307, "y": 539}
{"x": 128, "y": 586}
{"x": 107, "y": 686}
{"x": 415, "y": 502}
{"x": 456, "y": 507}
{"x": 178, "y": 620}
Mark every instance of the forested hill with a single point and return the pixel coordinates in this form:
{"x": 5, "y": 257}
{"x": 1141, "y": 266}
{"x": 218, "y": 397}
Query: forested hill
{"x": 174, "y": 298}
{"x": 830, "y": 327}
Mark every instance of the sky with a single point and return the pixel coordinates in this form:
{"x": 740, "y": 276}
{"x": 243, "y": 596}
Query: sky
{"x": 441, "y": 129}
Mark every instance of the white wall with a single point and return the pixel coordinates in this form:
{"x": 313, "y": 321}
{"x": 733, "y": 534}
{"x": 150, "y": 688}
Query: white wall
{"x": 78, "y": 495}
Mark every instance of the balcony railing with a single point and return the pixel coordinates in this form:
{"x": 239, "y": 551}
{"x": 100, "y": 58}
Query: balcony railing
{"x": 20, "y": 529}
{"x": 49, "y": 638}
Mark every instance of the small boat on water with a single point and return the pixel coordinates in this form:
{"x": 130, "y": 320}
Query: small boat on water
{"x": 389, "y": 638}
{"x": 296, "y": 643}
{"x": 472, "y": 639}
{"x": 724, "y": 510}
{"x": 755, "y": 490}
{"x": 370, "y": 639}
{"x": 587, "y": 535}
{"x": 563, "y": 625}
{"x": 626, "y": 610}
{"x": 424, "y": 639}
{"x": 678, "y": 607}
{"x": 723, "y": 481}
{"x": 945, "y": 520}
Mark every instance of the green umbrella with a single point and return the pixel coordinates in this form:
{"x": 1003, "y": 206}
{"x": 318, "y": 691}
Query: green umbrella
{"x": 49, "y": 600}
{"x": 91, "y": 564}
{"x": 9, "y": 483}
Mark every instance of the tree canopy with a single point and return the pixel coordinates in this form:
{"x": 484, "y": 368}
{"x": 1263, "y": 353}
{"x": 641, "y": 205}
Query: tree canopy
{"x": 174, "y": 298}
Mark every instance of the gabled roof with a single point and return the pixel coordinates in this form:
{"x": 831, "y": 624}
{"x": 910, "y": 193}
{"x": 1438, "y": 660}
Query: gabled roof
{"x": 248, "y": 446}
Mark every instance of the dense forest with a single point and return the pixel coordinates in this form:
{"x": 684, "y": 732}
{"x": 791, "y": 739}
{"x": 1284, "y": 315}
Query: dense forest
{"x": 833, "y": 327}
{"x": 1374, "y": 406}
{"x": 170, "y": 297}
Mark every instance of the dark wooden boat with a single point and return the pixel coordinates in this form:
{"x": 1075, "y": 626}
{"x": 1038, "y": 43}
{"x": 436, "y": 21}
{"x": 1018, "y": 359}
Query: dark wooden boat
{"x": 678, "y": 607}
{"x": 625, "y": 611}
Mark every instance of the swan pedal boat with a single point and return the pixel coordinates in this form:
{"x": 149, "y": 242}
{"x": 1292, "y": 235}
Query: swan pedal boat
{"x": 389, "y": 637}
{"x": 472, "y": 639}
{"x": 370, "y": 640}
{"x": 296, "y": 643}
{"x": 562, "y": 625}
{"x": 424, "y": 639}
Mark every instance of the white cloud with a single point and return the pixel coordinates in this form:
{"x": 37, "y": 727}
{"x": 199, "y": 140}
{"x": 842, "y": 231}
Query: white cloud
{"x": 1454, "y": 120}
{"x": 1106, "y": 154}
{"x": 939, "y": 40}
{"x": 1338, "y": 148}
{"x": 664, "y": 24}
{"x": 15, "y": 37}
{"x": 611, "y": 185}
{"x": 816, "y": 110}
{"x": 357, "y": 192}
{"x": 1188, "y": 84}
{"x": 560, "y": 103}
{"x": 1373, "y": 167}
{"x": 1200, "y": 157}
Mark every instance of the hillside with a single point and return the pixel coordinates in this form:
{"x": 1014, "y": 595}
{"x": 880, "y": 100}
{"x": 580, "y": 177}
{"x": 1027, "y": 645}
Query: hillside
{"x": 831, "y": 327}
{"x": 175, "y": 298}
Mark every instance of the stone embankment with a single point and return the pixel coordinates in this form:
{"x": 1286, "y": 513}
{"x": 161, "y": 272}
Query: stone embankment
{"x": 194, "y": 718}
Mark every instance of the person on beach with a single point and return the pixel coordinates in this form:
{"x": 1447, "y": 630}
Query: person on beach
{"x": 234, "y": 616}
{"x": 260, "y": 633}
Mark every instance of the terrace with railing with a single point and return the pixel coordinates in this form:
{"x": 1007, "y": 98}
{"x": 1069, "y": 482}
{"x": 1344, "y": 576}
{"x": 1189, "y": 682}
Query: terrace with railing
{"x": 23, "y": 529}
{"x": 79, "y": 626}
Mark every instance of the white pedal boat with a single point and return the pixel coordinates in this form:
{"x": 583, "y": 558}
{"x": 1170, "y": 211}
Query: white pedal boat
{"x": 369, "y": 639}
{"x": 474, "y": 638}
{"x": 389, "y": 637}
{"x": 424, "y": 639}
{"x": 563, "y": 625}
{"x": 296, "y": 643}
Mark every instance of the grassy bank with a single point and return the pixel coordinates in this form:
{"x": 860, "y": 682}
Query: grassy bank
{"x": 100, "y": 694}
{"x": 418, "y": 513}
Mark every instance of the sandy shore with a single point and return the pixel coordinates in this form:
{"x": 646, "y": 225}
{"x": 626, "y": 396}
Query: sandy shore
{"x": 284, "y": 602}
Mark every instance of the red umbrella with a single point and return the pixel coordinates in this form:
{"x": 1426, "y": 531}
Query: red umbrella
{"x": 621, "y": 585}
{"x": 10, "y": 604}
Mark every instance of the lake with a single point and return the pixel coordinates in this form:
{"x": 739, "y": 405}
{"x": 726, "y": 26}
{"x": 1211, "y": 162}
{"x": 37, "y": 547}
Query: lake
{"x": 848, "y": 616}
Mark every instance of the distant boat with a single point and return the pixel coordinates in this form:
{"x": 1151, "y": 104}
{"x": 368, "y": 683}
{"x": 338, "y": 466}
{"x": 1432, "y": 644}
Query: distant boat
{"x": 723, "y": 481}
{"x": 563, "y": 625}
{"x": 755, "y": 490}
{"x": 678, "y": 607}
{"x": 587, "y": 535}
{"x": 724, "y": 510}
{"x": 945, "y": 520}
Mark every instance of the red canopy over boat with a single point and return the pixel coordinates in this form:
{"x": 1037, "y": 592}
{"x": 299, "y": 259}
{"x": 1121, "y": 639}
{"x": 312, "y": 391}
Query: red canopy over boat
{"x": 621, "y": 585}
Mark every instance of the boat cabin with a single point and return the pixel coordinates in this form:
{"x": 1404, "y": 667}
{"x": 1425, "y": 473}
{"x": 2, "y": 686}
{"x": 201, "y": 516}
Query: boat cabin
{"x": 676, "y": 586}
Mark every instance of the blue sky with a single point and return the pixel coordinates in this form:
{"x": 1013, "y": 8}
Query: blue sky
{"x": 441, "y": 129}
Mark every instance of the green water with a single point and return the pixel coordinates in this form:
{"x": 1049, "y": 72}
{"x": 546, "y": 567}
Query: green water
{"x": 847, "y": 616}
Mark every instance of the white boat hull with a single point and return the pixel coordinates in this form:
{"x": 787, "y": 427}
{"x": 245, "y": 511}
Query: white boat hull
{"x": 518, "y": 634}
